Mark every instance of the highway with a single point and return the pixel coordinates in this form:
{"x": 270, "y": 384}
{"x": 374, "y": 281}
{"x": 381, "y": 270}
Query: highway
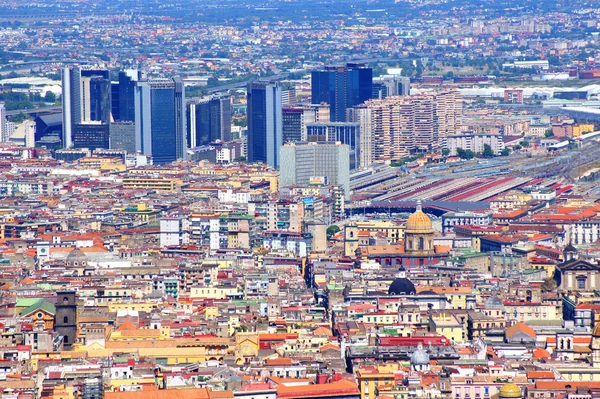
{"x": 34, "y": 111}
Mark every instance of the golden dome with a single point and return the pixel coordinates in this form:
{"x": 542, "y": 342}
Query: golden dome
{"x": 419, "y": 222}
{"x": 596, "y": 331}
{"x": 509, "y": 391}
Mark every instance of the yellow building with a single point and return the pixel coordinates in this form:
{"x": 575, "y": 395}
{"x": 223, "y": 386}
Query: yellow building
{"x": 392, "y": 230}
{"x": 212, "y": 292}
{"x": 371, "y": 379}
{"x": 526, "y": 311}
{"x": 457, "y": 296}
{"x": 103, "y": 164}
{"x": 582, "y": 128}
{"x": 150, "y": 183}
{"x": 546, "y": 264}
{"x": 447, "y": 325}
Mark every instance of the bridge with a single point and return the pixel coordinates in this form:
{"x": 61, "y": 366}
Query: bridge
{"x": 35, "y": 112}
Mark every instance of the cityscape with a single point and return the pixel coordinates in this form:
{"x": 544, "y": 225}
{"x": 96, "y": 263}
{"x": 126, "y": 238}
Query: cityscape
{"x": 294, "y": 199}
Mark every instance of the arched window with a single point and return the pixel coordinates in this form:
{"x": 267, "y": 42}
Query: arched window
{"x": 421, "y": 243}
{"x": 65, "y": 300}
{"x": 66, "y": 320}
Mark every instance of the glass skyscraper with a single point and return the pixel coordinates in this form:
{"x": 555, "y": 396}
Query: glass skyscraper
{"x": 342, "y": 88}
{"x": 264, "y": 122}
{"x": 208, "y": 120}
{"x": 160, "y": 119}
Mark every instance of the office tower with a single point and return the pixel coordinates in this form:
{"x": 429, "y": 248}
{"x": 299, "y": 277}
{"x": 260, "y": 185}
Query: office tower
{"x": 122, "y": 136}
{"x": 160, "y": 119}
{"x": 288, "y": 94}
{"x": 71, "y": 102}
{"x": 344, "y": 132}
{"x": 126, "y": 94}
{"x": 115, "y": 108}
{"x": 264, "y": 122}
{"x": 390, "y": 85}
{"x": 96, "y": 92}
{"x": 295, "y": 120}
{"x": 342, "y": 88}
{"x": 303, "y": 164}
{"x": 86, "y": 101}
{"x": 292, "y": 124}
{"x": 208, "y": 120}
{"x": 92, "y": 135}
{"x": 3, "y": 124}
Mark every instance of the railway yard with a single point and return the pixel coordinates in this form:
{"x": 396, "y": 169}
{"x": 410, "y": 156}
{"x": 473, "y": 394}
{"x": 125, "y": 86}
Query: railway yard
{"x": 482, "y": 180}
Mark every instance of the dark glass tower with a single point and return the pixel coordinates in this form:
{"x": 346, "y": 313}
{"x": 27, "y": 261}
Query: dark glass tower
{"x": 160, "y": 119}
{"x": 342, "y": 88}
{"x": 209, "y": 120}
{"x": 264, "y": 122}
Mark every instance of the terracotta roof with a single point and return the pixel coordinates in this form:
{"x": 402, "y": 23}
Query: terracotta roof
{"x": 339, "y": 388}
{"x": 520, "y": 327}
{"x": 540, "y": 374}
{"x": 200, "y": 393}
{"x": 280, "y": 361}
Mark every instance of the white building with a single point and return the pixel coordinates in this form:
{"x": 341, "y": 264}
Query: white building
{"x": 174, "y": 231}
{"x": 234, "y": 196}
{"x": 474, "y": 142}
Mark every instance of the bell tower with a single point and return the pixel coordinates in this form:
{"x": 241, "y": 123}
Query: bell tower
{"x": 65, "y": 322}
{"x": 350, "y": 239}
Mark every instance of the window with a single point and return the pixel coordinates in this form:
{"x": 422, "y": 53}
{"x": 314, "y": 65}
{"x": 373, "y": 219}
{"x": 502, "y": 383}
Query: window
{"x": 421, "y": 243}
{"x": 66, "y": 320}
{"x": 581, "y": 282}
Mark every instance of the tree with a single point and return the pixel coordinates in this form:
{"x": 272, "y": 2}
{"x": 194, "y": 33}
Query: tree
{"x": 465, "y": 154}
{"x": 524, "y": 143}
{"x": 505, "y": 152}
{"x": 332, "y": 230}
{"x": 487, "y": 151}
{"x": 548, "y": 133}
{"x": 50, "y": 97}
{"x": 445, "y": 152}
{"x": 240, "y": 159}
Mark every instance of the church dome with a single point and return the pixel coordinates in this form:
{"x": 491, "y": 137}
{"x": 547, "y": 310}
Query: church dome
{"x": 76, "y": 258}
{"x": 493, "y": 302}
{"x": 418, "y": 222}
{"x": 596, "y": 331}
{"x": 401, "y": 285}
{"x": 419, "y": 357}
{"x": 509, "y": 391}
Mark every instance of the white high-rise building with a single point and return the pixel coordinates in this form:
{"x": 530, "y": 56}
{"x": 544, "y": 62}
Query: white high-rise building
{"x": 4, "y": 136}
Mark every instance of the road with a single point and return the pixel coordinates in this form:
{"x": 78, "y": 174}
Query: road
{"x": 34, "y": 111}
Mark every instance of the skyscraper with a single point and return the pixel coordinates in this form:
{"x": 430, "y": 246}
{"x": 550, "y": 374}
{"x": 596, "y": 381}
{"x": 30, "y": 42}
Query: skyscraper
{"x": 208, "y": 120}
{"x": 342, "y": 88}
{"x": 390, "y": 85}
{"x": 160, "y": 119}
{"x": 264, "y": 122}
{"x": 323, "y": 162}
{"x": 86, "y": 106}
{"x": 344, "y": 132}
{"x": 3, "y": 127}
